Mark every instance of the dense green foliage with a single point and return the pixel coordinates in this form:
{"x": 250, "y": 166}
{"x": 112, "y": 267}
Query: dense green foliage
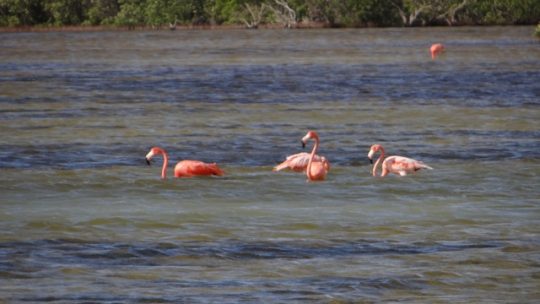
{"x": 290, "y": 13}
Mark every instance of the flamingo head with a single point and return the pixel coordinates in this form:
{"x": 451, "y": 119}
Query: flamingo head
{"x": 153, "y": 152}
{"x": 308, "y": 136}
{"x": 374, "y": 149}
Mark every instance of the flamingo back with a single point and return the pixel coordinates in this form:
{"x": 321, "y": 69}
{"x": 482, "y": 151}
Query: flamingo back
{"x": 298, "y": 162}
{"x": 403, "y": 165}
{"x": 189, "y": 168}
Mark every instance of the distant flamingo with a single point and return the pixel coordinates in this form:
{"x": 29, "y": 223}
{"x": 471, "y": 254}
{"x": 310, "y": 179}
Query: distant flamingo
{"x": 316, "y": 170}
{"x": 298, "y": 162}
{"x": 436, "y": 49}
{"x": 394, "y": 164}
{"x": 185, "y": 168}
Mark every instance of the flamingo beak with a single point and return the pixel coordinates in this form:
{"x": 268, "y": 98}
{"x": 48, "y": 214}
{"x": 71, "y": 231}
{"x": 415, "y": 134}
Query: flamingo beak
{"x": 149, "y": 157}
{"x": 370, "y": 156}
{"x": 303, "y": 145}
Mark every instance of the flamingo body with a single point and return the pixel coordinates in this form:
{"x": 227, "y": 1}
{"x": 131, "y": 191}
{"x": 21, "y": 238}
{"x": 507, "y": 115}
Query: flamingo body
{"x": 189, "y": 168}
{"x": 401, "y": 165}
{"x": 436, "y": 49}
{"x": 185, "y": 168}
{"x": 316, "y": 170}
{"x": 395, "y": 164}
{"x": 298, "y": 162}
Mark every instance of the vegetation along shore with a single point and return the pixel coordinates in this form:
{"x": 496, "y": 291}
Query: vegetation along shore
{"x": 172, "y": 14}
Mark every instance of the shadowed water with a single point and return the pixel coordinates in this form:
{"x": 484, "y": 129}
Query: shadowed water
{"x": 83, "y": 219}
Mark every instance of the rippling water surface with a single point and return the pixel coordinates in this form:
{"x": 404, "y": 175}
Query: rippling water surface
{"x": 83, "y": 219}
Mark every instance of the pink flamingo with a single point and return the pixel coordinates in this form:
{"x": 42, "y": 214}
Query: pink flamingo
{"x": 298, "y": 162}
{"x": 436, "y": 49}
{"x": 185, "y": 168}
{"x": 316, "y": 170}
{"x": 394, "y": 164}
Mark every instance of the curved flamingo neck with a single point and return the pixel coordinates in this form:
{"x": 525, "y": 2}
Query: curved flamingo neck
{"x": 165, "y": 162}
{"x": 379, "y": 160}
{"x": 311, "y": 157}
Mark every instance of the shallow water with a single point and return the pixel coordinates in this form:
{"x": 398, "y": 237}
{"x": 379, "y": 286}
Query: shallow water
{"x": 83, "y": 219}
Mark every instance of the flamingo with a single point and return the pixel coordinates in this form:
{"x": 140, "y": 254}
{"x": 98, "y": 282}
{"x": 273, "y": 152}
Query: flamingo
{"x": 185, "y": 168}
{"x": 298, "y": 162}
{"x": 436, "y": 49}
{"x": 316, "y": 169}
{"x": 394, "y": 164}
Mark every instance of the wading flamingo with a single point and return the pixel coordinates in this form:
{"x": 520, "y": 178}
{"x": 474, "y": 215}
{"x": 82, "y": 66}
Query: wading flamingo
{"x": 436, "y": 49}
{"x": 394, "y": 164}
{"x": 316, "y": 170}
{"x": 298, "y": 162}
{"x": 185, "y": 168}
